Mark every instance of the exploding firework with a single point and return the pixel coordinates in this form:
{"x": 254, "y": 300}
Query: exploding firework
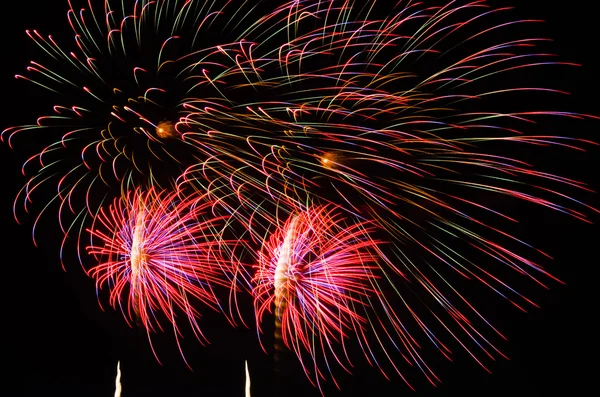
{"x": 123, "y": 90}
{"x": 381, "y": 112}
{"x": 160, "y": 256}
{"x": 319, "y": 273}
{"x": 418, "y": 123}
{"x": 313, "y": 272}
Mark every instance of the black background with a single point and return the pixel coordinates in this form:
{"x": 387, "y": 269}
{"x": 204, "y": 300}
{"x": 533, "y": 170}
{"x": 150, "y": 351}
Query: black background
{"x": 58, "y": 342}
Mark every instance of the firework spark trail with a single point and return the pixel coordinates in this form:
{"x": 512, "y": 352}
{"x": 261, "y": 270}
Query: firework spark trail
{"x": 247, "y": 386}
{"x": 118, "y": 387}
{"x": 159, "y": 253}
{"x": 281, "y": 286}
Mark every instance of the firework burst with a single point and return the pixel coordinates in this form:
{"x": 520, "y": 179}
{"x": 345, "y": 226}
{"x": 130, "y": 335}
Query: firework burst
{"x": 123, "y": 91}
{"x": 317, "y": 273}
{"x": 395, "y": 141}
{"x": 160, "y": 255}
{"x": 423, "y": 122}
{"x": 323, "y": 276}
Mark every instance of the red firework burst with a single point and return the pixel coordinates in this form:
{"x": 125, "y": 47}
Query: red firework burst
{"x": 317, "y": 271}
{"x": 159, "y": 253}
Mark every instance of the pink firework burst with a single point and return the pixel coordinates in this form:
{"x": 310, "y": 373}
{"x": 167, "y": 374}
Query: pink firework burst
{"x": 318, "y": 273}
{"x": 160, "y": 254}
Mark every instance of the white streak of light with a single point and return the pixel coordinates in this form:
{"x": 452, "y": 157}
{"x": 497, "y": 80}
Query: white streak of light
{"x": 247, "y": 380}
{"x": 118, "y": 380}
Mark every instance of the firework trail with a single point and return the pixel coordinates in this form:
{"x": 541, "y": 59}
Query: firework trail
{"x": 160, "y": 255}
{"x": 247, "y": 386}
{"x": 118, "y": 387}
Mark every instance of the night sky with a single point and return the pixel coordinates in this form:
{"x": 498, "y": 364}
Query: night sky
{"x": 57, "y": 341}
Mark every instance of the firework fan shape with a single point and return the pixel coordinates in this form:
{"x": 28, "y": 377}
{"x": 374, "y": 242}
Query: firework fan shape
{"x": 318, "y": 274}
{"x": 161, "y": 256}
